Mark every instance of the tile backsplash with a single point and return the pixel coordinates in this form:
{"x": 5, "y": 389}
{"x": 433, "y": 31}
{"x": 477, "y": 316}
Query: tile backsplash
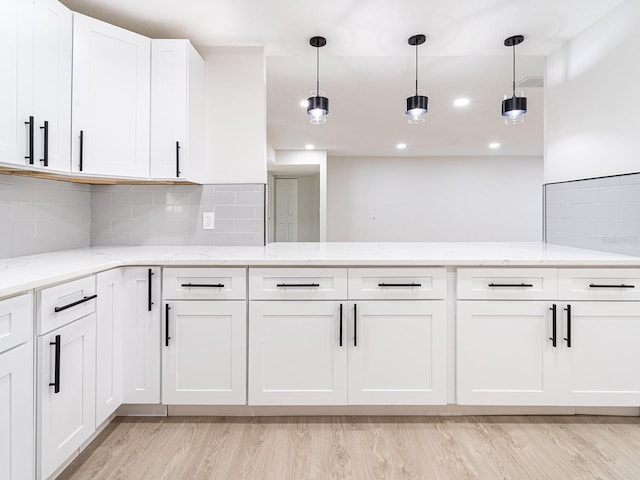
{"x": 598, "y": 214}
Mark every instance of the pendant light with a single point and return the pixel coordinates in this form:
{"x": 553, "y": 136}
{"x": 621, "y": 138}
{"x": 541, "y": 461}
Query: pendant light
{"x": 317, "y": 106}
{"x": 514, "y": 108}
{"x": 417, "y": 105}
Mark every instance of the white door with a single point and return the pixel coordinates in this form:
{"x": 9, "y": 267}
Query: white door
{"x": 141, "y": 305}
{"x": 397, "y": 353}
{"x": 204, "y": 353}
{"x": 66, "y": 402}
{"x": 505, "y": 355}
{"x": 108, "y": 343}
{"x": 52, "y": 85}
{"x": 17, "y": 459}
{"x": 111, "y": 99}
{"x": 16, "y": 81}
{"x": 602, "y": 366}
{"x": 286, "y": 209}
{"x": 295, "y": 356}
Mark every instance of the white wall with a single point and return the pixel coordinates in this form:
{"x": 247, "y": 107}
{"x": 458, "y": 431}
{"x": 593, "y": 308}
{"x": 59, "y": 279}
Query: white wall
{"x": 592, "y": 100}
{"x": 435, "y": 199}
{"x": 236, "y": 136}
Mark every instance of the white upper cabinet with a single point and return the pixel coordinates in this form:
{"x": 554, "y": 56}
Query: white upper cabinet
{"x": 177, "y": 111}
{"x": 111, "y": 100}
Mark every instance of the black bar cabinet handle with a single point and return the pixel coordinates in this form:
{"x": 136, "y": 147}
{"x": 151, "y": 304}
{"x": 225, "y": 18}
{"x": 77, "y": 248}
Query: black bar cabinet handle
{"x": 166, "y": 325}
{"x": 81, "y": 149}
{"x": 45, "y": 159}
{"x": 56, "y": 365}
{"x": 355, "y": 325}
{"x": 206, "y": 285}
{"x": 568, "y": 337}
{"x": 30, "y": 155}
{"x": 399, "y": 284}
{"x": 340, "y": 324}
{"x": 73, "y": 304}
{"x": 150, "y": 302}
{"x": 620, "y": 285}
{"x": 511, "y": 285}
{"x": 554, "y": 317}
{"x": 177, "y": 159}
{"x": 297, "y": 285}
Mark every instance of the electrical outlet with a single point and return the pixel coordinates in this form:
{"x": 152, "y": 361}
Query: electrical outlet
{"x": 207, "y": 220}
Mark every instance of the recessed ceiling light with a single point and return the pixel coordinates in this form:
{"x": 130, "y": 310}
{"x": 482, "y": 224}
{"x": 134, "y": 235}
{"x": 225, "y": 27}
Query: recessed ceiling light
{"x": 494, "y": 145}
{"x": 401, "y": 146}
{"x": 461, "y": 102}
{"x": 304, "y": 103}
{"x": 308, "y": 146}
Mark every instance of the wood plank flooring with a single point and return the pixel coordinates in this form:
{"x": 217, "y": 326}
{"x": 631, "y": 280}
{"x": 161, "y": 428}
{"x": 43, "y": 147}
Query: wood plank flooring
{"x": 363, "y": 448}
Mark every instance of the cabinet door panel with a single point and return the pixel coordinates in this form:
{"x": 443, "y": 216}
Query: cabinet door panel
{"x": 294, "y": 354}
{"x": 504, "y": 355}
{"x": 400, "y": 357}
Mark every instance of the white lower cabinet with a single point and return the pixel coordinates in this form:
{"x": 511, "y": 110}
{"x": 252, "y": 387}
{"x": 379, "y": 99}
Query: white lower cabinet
{"x": 65, "y": 392}
{"x": 204, "y": 352}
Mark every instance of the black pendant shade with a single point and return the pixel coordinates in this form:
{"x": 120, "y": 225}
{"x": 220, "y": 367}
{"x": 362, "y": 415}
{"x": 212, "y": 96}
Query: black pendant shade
{"x": 514, "y": 108}
{"x": 417, "y": 105}
{"x": 317, "y": 106}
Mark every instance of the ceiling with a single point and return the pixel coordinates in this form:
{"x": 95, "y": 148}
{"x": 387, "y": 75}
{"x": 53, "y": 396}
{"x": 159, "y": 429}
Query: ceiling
{"x": 367, "y": 68}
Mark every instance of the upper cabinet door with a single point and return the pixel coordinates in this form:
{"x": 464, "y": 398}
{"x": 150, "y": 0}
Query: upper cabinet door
{"x": 16, "y": 81}
{"x": 177, "y": 111}
{"x": 111, "y": 100}
{"x": 52, "y": 85}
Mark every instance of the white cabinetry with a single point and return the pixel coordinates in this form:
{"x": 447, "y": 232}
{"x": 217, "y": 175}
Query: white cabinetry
{"x": 177, "y": 111}
{"x": 141, "y": 335}
{"x": 111, "y": 100}
{"x": 17, "y": 458}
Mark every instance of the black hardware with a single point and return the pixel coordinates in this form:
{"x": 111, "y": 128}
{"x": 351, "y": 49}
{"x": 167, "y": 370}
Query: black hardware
{"x": 45, "y": 160}
{"x": 56, "y": 366}
{"x": 149, "y": 275}
{"x": 166, "y": 325}
{"x": 399, "y": 284}
{"x": 177, "y": 159}
{"x": 78, "y": 302}
{"x": 355, "y": 325}
{"x": 568, "y": 337}
{"x": 621, "y": 285}
{"x": 81, "y": 148}
{"x": 510, "y": 285}
{"x": 297, "y": 285}
{"x": 553, "y": 339}
{"x": 30, "y": 156}
{"x": 340, "y": 324}
{"x": 209, "y": 285}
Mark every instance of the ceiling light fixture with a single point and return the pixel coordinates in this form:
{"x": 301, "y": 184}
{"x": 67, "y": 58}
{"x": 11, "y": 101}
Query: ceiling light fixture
{"x": 494, "y": 145}
{"x": 318, "y": 106}
{"x": 461, "y": 102}
{"x": 514, "y": 108}
{"x": 304, "y": 103}
{"x": 417, "y": 105}
{"x": 308, "y": 146}
{"x": 401, "y": 146}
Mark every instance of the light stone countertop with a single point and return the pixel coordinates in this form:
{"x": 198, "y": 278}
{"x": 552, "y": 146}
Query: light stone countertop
{"x": 20, "y": 274}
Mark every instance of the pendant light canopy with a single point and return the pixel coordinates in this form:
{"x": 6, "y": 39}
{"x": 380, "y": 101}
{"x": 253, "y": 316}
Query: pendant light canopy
{"x": 514, "y": 108}
{"x": 417, "y": 105}
{"x": 317, "y": 106}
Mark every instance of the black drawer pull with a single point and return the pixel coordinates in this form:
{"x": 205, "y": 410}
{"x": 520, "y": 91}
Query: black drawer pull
{"x": 554, "y": 310}
{"x": 30, "y": 155}
{"x": 355, "y": 325}
{"x": 568, "y": 337}
{"x": 56, "y": 365}
{"x": 45, "y": 159}
{"x": 81, "y": 150}
{"x": 149, "y": 299}
{"x": 516, "y": 285}
{"x": 166, "y": 325}
{"x": 178, "y": 159}
{"x": 340, "y": 324}
{"x": 399, "y": 284}
{"x": 78, "y": 302}
{"x": 284, "y": 285}
{"x": 621, "y": 285}
{"x": 203, "y": 285}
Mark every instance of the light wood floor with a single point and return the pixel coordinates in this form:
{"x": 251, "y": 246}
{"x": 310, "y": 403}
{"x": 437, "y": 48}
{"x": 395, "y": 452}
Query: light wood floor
{"x": 363, "y": 448}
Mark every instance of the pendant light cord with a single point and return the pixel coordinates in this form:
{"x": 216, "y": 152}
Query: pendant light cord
{"x": 514, "y": 70}
{"x": 318, "y": 72}
{"x": 416, "y": 68}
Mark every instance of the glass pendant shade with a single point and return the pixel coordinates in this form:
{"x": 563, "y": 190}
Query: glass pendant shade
{"x": 417, "y": 108}
{"x": 513, "y": 109}
{"x": 318, "y": 109}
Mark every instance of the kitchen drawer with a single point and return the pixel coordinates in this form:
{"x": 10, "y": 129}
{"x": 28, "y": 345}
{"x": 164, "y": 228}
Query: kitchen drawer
{"x": 599, "y": 284}
{"x": 507, "y": 284}
{"x": 16, "y": 321}
{"x": 204, "y": 284}
{"x": 397, "y": 283}
{"x": 65, "y": 303}
{"x": 297, "y": 283}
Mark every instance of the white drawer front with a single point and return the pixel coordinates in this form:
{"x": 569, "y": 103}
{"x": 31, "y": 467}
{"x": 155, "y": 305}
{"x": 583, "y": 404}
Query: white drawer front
{"x": 507, "y": 284}
{"x": 397, "y": 283}
{"x": 297, "y": 283}
{"x": 16, "y": 321}
{"x": 204, "y": 284}
{"x": 599, "y": 284}
{"x": 72, "y": 300}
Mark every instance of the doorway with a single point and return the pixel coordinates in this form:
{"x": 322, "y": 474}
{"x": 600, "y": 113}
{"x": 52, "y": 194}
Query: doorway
{"x": 286, "y": 206}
